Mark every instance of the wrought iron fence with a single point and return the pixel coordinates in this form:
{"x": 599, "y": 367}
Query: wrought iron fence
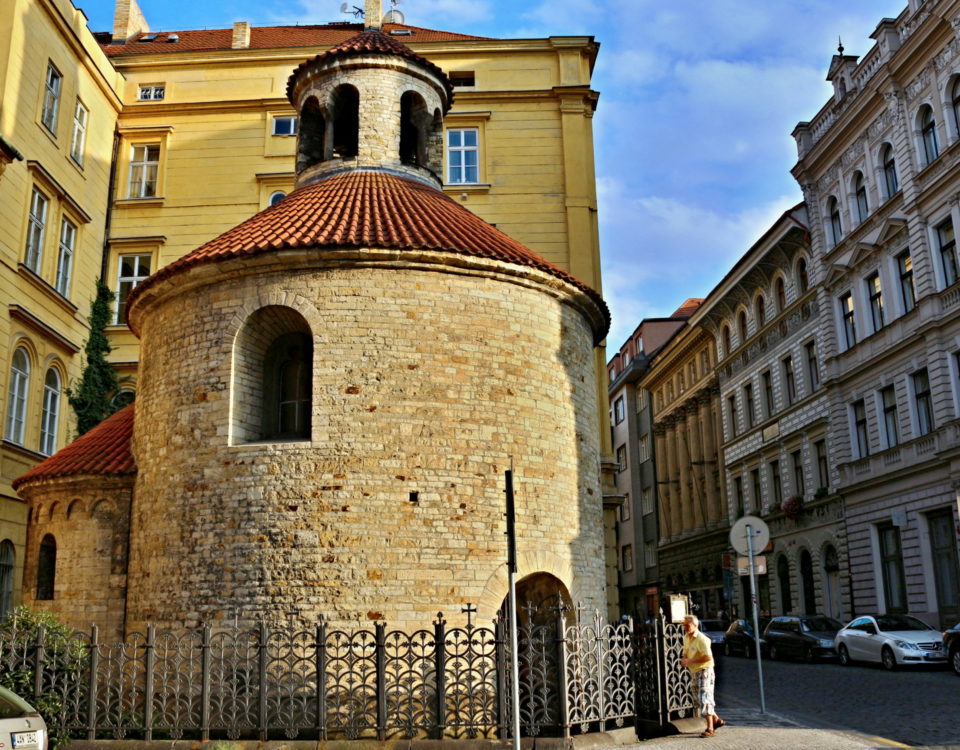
{"x": 663, "y": 686}
{"x": 324, "y": 683}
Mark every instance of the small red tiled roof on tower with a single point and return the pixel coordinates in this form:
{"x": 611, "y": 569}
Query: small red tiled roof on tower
{"x": 265, "y": 37}
{"x": 688, "y": 308}
{"x": 103, "y": 451}
{"x": 371, "y": 42}
{"x": 366, "y": 209}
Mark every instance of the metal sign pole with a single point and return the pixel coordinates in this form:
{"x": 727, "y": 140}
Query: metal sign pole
{"x": 756, "y": 616}
{"x": 512, "y": 599}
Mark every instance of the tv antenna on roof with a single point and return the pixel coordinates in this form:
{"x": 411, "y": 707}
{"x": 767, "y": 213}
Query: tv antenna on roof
{"x": 347, "y": 8}
{"x": 393, "y": 15}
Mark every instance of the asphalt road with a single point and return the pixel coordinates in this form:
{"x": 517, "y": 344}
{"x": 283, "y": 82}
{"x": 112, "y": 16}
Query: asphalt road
{"x": 919, "y": 707}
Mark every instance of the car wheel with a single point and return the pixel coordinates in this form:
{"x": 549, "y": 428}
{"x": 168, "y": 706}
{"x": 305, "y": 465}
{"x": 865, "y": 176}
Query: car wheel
{"x": 888, "y": 659}
{"x": 773, "y": 652}
{"x": 844, "y": 655}
{"x": 727, "y": 650}
{"x": 808, "y": 656}
{"x": 955, "y": 660}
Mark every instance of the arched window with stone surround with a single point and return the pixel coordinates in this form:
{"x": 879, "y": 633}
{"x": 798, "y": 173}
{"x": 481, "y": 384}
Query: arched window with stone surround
{"x": 7, "y": 565}
{"x": 415, "y": 120}
{"x": 344, "y": 113}
{"x": 742, "y": 326}
{"x": 47, "y": 568}
{"x": 780, "y": 289}
{"x": 928, "y": 134}
{"x": 726, "y": 340}
{"x": 272, "y": 377}
{"x": 50, "y": 417}
{"x": 955, "y": 104}
{"x": 17, "y": 396}
{"x": 860, "y": 195}
{"x": 803, "y": 277}
{"x": 889, "y": 162}
{"x": 311, "y": 135}
{"x": 761, "y": 311}
{"x": 833, "y": 214}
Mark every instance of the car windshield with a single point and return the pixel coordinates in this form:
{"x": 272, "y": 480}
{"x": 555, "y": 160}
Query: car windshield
{"x": 820, "y": 623}
{"x": 901, "y": 622}
{"x": 711, "y": 625}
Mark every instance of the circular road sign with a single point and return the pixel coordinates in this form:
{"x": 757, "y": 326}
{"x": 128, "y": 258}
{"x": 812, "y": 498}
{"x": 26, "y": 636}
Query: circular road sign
{"x": 759, "y": 529}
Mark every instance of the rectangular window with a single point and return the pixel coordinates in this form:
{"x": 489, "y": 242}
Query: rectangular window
{"x": 133, "y": 269}
{"x": 622, "y": 458}
{"x": 796, "y": 461}
{"x": 823, "y": 475}
{"x": 619, "y": 412}
{"x": 875, "y": 296}
{"x": 921, "y": 398}
{"x": 644, "y": 448}
{"x": 738, "y": 495}
{"x": 948, "y": 251}
{"x": 646, "y": 499}
{"x": 908, "y": 293}
{"x": 462, "y": 78}
{"x": 776, "y": 483}
{"x": 860, "y": 428}
{"x": 891, "y": 565}
{"x": 650, "y": 554}
{"x": 152, "y": 92}
{"x": 284, "y": 126}
{"x": 767, "y": 380}
{"x": 643, "y": 399}
{"x": 813, "y": 367}
{"x": 748, "y": 403}
{"x": 144, "y": 167}
{"x": 704, "y": 363}
{"x": 789, "y": 380}
{"x": 463, "y": 156}
{"x": 68, "y": 242}
{"x": 888, "y": 402}
{"x": 625, "y": 508}
{"x": 36, "y": 227}
{"x": 79, "y": 138}
{"x": 849, "y": 325}
{"x": 756, "y": 494}
{"x": 732, "y": 413}
{"x": 51, "y": 98}
{"x": 627, "y": 560}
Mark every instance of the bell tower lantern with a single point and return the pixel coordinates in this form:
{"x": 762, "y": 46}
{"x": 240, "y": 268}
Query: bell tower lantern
{"x": 370, "y": 103}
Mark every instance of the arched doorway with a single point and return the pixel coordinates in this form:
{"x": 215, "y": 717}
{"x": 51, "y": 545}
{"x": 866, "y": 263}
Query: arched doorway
{"x": 539, "y": 597}
{"x": 806, "y": 579}
{"x": 831, "y": 570}
{"x": 783, "y": 579}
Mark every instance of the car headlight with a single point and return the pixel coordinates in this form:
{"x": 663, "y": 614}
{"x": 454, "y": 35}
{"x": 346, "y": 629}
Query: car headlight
{"x": 907, "y": 646}
{"x": 826, "y": 642}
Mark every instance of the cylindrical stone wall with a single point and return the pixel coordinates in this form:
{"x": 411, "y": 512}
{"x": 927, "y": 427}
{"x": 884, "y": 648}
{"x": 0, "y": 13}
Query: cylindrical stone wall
{"x": 426, "y": 379}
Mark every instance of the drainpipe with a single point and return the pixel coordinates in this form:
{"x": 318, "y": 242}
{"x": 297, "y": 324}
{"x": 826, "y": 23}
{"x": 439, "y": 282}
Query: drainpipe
{"x": 111, "y": 192}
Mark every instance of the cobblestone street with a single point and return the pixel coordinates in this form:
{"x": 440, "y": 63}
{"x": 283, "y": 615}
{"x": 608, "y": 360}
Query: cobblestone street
{"x": 916, "y": 707}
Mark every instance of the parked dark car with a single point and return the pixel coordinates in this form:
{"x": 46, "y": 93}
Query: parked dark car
{"x": 715, "y": 631}
{"x": 951, "y": 644}
{"x": 802, "y": 637}
{"x": 740, "y": 639}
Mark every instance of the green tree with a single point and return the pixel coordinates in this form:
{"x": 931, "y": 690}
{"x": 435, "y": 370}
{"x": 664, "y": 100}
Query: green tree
{"x": 92, "y": 400}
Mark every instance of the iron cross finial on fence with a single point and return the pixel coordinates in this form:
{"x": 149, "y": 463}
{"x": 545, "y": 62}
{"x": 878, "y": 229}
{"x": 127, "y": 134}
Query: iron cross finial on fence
{"x": 581, "y": 608}
{"x": 530, "y": 609}
{"x": 561, "y": 606}
{"x": 469, "y": 610}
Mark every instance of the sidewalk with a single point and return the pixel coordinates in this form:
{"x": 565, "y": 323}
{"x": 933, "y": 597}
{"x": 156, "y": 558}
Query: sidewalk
{"x": 748, "y": 729}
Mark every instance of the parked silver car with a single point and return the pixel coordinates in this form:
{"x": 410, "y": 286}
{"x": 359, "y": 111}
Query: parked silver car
{"x": 892, "y": 640}
{"x": 21, "y": 727}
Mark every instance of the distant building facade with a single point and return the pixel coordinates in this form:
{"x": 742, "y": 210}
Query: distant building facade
{"x": 878, "y": 169}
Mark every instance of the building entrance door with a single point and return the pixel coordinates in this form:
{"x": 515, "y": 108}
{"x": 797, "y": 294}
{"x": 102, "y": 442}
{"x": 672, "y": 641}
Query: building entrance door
{"x": 946, "y": 569}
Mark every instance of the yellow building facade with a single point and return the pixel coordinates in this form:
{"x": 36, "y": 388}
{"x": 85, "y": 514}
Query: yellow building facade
{"x": 199, "y": 134}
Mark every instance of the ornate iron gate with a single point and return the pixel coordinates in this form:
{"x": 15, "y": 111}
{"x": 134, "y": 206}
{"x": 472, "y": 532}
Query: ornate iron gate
{"x": 663, "y": 686}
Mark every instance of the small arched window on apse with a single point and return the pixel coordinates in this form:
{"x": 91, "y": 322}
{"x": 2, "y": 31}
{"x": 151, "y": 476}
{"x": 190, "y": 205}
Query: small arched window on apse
{"x": 50, "y": 418}
{"x": 311, "y": 135}
{"x": 780, "y": 289}
{"x": 276, "y": 197}
{"x": 273, "y": 377}
{"x": 860, "y": 194}
{"x": 803, "y": 277}
{"x": 955, "y": 105}
{"x": 345, "y": 119}
{"x": 725, "y": 333}
{"x": 889, "y": 162}
{"x": 123, "y": 397}
{"x": 761, "y": 310}
{"x": 17, "y": 396}
{"x": 928, "y": 134}
{"x": 833, "y": 214}
{"x": 742, "y": 325}
{"x": 7, "y": 565}
{"x": 415, "y": 119}
{"x": 47, "y": 568}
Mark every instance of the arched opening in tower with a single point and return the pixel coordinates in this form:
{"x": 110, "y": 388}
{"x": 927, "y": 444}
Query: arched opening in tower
{"x": 345, "y": 115}
{"x": 414, "y": 120}
{"x": 540, "y": 597}
{"x": 311, "y": 135}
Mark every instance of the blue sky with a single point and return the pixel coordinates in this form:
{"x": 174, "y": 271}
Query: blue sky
{"x": 692, "y": 133}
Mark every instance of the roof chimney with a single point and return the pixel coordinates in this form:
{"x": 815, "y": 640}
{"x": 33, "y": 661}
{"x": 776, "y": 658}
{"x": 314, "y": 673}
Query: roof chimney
{"x": 128, "y": 21}
{"x": 241, "y": 35}
{"x": 372, "y": 15}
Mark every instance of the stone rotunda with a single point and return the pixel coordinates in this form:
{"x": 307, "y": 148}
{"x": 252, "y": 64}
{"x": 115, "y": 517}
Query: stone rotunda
{"x": 329, "y": 394}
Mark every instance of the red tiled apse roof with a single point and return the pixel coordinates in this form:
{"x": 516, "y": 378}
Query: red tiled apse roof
{"x": 104, "y": 450}
{"x": 366, "y": 209}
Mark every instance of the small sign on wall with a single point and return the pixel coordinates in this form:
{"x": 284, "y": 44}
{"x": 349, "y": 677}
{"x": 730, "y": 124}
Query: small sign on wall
{"x": 759, "y": 562}
{"x": 679, "y": 607}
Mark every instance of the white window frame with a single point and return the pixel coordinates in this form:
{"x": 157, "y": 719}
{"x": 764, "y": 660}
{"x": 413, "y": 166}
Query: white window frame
{"x": 883, "y": 411}
{"x": 848, "y": 315}
{"x": 860, "y": 441}
{"x": 133, "y": 280}
{"x": 905, "y": 274}
{"x": 458, "y": 174}
{"x": 947, "y": 248}
{"x": 50, "y": 418}
{"x": 141, "y": 184}
{"x": 643, "y": 448}
{"x": 53, "y": 84}
{"x": 78, "y": 141}
{"x": 874, "y": 292}
{"x": 915, "y": 403}
{"x": 290, "y": 122}
{"x": 68, "y": 245}
{"x": 18, "y": 394}
{"x": 619, "y": 410}
{"x": 151, "y": 92}
{"x": 36, "y": 230}
{"x": 276, "y": 197}
{"x": 929, "y": 143}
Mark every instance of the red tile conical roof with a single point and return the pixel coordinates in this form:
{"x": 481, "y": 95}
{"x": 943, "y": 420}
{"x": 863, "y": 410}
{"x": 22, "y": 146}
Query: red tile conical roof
{"x": 366, "y": 209}
{"x": 104, "y": 450}
{"x": 371, "y": 42}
